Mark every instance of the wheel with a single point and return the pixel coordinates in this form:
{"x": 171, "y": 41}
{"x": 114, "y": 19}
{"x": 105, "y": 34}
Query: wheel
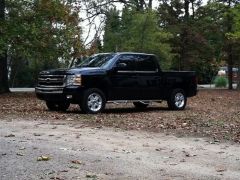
{"x": 93, "y": 101}
{"x": 177, "y": 100}
{"x": 57, "y": 106}
{"x": 140, "y": 104}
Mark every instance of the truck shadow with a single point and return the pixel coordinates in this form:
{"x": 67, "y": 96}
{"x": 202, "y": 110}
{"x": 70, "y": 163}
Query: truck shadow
{"x": 123, "y": 110}
{"x": 132, "y": 110}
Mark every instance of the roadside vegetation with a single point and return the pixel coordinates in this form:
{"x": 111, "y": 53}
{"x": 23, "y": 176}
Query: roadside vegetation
{"x": 220, "y": 81}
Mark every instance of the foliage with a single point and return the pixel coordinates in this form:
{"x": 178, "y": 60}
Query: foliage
{"x": 112, "y": 33}
{"x": 220, "y": 81}
{"x": 138, "y": 32}
{"x": 144, "y": 35}
{"x": 44, "y": 33}
{"x": 186, "y": 35}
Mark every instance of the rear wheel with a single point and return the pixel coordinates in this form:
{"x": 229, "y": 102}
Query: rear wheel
{"x": 57, "y": 106}
{"x": 93, "y": 101}
{"x": 141, "y": 104}
{"x": 177, "y": 100}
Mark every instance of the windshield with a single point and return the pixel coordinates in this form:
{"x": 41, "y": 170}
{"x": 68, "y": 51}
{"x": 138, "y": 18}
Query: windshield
{"x": 97, "y": 60}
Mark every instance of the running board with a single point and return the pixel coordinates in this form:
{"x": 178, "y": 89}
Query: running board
{"x": 131, "y": 101}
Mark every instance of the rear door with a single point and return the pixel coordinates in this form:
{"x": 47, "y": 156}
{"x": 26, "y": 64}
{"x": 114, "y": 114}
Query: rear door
{"x": 149, "y": 77}
{"x": 123, "y": 79}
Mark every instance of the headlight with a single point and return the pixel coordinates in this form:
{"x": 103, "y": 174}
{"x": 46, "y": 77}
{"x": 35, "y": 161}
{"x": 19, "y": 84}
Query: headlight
{"x": 74, "y": 80}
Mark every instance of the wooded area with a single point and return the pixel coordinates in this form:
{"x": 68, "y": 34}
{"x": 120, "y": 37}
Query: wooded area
{"x": 185, "y": 34}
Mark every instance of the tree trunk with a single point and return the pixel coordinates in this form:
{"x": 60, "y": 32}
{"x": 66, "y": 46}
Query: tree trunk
{"x": 186, "y": 9}
{"x": 229, "y": 48}
{"x": 184, "y": 38}
{"x": 3, "y": 74}
{"x": 150, "y": 4}
{"x": 238, "y": 78}
{"x": 3, "y": 57}
{"x": 230, "y": 66}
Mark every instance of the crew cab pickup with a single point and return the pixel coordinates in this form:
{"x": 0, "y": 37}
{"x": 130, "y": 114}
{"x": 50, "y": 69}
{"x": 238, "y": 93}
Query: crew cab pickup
{"x": 109, "y": 77}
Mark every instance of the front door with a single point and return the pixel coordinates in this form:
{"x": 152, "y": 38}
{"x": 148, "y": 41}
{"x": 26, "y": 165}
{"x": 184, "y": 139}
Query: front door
{"x": 124, "y": 82}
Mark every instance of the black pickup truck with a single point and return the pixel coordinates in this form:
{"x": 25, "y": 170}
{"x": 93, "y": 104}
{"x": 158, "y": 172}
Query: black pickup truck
{"x": 109, "y": 77}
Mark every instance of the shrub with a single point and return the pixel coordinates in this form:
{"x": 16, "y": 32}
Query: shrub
{"x": 220, "y": 81}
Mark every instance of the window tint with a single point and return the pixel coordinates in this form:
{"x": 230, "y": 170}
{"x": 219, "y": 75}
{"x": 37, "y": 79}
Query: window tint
{"x": 146, "y": 63}
{"x": 129, "y": 60}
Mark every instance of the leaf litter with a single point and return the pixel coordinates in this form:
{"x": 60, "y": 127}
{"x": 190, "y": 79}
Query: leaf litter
{"x": 212, "y": 113}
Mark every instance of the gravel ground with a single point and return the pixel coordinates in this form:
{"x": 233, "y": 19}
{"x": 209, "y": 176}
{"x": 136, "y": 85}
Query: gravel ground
{"x": 201, "y": 142}
{"x": 79, "y": 152}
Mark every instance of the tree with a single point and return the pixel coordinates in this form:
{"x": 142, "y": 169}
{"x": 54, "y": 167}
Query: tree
{"x": 198, "y": 37}
{"x": 44, "y": 33}
{"x": 229, "y": 49}
{"x": 112, "y": 34}
{"x": 3, "y": 56}
{"x": 234, "y": 37}
{"x": 141, "y": 33}
{"x": 137, "y": 31}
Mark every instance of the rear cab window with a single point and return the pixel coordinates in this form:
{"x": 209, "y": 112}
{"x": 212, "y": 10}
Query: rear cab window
{"x": 146, "y": 63}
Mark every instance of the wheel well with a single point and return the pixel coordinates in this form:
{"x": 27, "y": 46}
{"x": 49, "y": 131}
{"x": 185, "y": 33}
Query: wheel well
{"x": 101, "y": 88}
{"x": 176, "y": 87}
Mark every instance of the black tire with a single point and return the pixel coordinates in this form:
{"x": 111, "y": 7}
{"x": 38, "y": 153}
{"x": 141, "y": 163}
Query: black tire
{"x": 177, "y": 100}
{"x": 140, "y": 105}
{"x": 57, "y": 106}
{"x": 93, "y": 101}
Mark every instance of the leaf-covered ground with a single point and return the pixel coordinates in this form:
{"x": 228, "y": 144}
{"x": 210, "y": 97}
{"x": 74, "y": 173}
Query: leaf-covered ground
{"x": 213, "y": 113}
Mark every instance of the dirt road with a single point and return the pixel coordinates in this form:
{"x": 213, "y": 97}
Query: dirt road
{"x": 79, "y": 152}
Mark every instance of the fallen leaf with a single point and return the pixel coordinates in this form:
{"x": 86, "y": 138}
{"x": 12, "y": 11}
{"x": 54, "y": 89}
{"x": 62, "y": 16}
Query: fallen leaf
{"x": 74, "y": 167}
{"x": 22, "y": 148}
{"x": 221, "y": 169}
{"x": 91, "y": 176}
{"x": 37, "y": 134}
{"x": 43, "y": 158}
{"x": 173, "y": 164}
{"x": 57, "y": 178}
{"x": 20, "y": 154}
{"x": 76, "y": 162}
{"x": 10, "y": 135}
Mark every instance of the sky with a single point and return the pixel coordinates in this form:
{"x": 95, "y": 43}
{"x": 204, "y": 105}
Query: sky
{"x": 85, "y": 24}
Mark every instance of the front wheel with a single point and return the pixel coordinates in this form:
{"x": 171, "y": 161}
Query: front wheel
{"x": 57, "y": 106}
{"x": 93, "y": 101}
{"x": 177, "y": 100}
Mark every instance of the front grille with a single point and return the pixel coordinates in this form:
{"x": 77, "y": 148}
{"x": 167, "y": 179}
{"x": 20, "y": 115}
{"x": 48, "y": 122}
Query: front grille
{"x": 51, "y": 80}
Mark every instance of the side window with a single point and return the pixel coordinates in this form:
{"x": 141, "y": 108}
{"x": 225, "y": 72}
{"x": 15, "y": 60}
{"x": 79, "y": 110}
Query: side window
{"x": 146, "y": 63}
{"x": 126, "y": 63}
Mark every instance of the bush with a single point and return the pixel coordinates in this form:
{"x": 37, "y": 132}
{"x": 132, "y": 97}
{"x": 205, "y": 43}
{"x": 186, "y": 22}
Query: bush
{"x": 220, "y": 81}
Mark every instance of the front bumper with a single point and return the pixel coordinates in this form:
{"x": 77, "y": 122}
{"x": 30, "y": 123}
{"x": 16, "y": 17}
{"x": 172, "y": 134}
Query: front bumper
{"x": 69, "y": 93}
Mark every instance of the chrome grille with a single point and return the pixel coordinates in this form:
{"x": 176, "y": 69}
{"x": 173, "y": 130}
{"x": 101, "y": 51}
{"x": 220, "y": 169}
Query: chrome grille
{"x": 51, "y": 80}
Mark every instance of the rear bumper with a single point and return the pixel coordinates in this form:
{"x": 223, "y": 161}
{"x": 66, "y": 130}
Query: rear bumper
{"x": 69, "y": 93}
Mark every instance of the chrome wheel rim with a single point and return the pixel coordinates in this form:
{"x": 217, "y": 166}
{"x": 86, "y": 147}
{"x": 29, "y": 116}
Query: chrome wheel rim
{"x": 179, "y": 100}
{"x": 94, "y": 102}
